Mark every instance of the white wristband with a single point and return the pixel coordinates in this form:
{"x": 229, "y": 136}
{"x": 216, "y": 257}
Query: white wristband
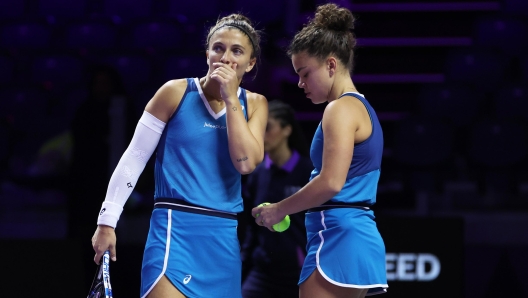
{"x": 109, "y": 214}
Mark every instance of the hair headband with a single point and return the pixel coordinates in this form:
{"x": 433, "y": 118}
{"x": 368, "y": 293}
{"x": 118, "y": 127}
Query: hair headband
{"x": 236, "y": 26}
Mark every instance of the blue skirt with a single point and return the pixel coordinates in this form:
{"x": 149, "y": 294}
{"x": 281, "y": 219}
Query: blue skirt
{"x": 345, "y": 246}
{"x": 199, "y": 254}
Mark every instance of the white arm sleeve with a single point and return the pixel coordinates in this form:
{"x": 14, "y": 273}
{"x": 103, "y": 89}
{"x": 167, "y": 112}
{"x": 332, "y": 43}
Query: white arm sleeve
{"x": 131, "y": 165}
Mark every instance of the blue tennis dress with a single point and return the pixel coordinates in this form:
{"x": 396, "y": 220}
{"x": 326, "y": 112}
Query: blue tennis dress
{"x": 344, "y": 243}
{"x": 192, "y": 238}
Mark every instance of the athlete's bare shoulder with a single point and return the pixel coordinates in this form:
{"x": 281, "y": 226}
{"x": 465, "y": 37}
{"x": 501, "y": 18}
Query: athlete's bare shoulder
{"x": 255, "y": 101}
{"x": 166, "y": 100}
{"x": 174, "y": 89}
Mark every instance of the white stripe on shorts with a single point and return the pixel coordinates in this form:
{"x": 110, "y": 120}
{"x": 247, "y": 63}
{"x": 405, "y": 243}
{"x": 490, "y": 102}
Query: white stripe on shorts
{"x": 167, "y": 249}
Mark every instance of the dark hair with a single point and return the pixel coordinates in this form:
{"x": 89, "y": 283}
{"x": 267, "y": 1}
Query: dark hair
{"x": 241, "y": 23}
{"x": 329, "y": 32}
{"x": 286, "y": 116}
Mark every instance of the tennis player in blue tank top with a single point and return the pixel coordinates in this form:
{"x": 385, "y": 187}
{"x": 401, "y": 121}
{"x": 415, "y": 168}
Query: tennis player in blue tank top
{"x": 206, "y": 132}
{"x": 345, "y": 251}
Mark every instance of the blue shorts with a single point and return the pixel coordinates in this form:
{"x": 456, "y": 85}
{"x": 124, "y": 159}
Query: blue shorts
{"x": 199, "y": 254}
{"x": 345, "y": 246}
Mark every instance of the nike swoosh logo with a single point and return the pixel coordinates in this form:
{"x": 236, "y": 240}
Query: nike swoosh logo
{"x": 187, "y": 279}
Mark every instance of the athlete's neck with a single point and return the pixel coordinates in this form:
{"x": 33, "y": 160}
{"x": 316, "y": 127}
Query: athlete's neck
{"x": 211, "y": 89}
{"x": 342, "y": 85}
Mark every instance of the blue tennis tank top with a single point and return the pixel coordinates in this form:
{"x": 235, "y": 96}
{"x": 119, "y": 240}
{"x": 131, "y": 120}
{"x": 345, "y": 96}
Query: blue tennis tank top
{"x": 192, "y": 160}
{"x": 364, "y": 172}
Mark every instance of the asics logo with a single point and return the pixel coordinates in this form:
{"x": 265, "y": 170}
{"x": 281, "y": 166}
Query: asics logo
{"x": 187, "y": 279}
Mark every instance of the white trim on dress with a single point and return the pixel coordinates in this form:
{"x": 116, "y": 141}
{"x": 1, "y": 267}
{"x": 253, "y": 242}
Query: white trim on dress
{"x": 333, "y": 281}
{"x": 167, "y": 250}
{"x": 206, "y": 103}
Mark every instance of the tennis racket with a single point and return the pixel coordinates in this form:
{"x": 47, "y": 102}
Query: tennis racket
{"x": 101, "y": 287}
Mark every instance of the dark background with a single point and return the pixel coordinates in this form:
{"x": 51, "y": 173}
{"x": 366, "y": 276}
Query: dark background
{"x": 447, "y": 78}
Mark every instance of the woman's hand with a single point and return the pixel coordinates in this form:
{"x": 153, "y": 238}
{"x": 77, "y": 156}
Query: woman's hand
{"x": 227, "y": 78}
{"x": 268, "y": 215}
{"x": 104, "y": 239}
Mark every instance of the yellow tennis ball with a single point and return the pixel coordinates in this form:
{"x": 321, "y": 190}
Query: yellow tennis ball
{"x": 281, "y": 226}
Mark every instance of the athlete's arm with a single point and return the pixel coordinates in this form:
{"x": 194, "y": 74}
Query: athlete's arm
{"x": 340, "y": 123}
{"x": 246, "y": 138}
{"x": 132, "y": 163}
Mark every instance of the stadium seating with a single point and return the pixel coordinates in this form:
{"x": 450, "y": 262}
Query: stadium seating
{"x": 91, "y": 36}
{"x": 504, "y": 34}
{"x": 25, "y": 36}
{"x": 62, "y": 9}
{"x": 480, "y": 68}
{"x": 59, "y": 71}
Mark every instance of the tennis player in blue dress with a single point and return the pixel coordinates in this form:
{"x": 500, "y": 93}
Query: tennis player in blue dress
{"x": 206, "y": 132}
{"x": 345, "y": 251}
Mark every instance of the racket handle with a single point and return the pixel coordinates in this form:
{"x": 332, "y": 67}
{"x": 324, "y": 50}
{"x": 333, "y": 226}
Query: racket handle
{"x": 106, "y": 274}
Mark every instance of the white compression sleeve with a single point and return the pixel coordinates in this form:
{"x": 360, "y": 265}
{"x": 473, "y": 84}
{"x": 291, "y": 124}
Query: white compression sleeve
{"x": 131, "y": 165}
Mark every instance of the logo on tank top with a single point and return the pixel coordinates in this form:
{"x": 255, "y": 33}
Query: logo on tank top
{"x": 187, "y": 279}
{"x": 214, "y": 126}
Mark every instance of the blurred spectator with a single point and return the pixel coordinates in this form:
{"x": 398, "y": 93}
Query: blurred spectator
{"x": 285, "y": 169}
{"x": 54, "y": 156}
{"x": 100, "y": 128}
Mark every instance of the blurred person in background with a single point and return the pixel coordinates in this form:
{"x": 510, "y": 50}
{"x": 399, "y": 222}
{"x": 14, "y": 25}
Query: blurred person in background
{"x": 285, "y": 169}
{"x": 100, "y": 128}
